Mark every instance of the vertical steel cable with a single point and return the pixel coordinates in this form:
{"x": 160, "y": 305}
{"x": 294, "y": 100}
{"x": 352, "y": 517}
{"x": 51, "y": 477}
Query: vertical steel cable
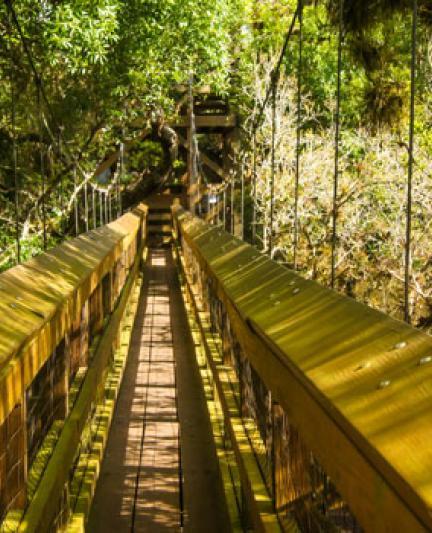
{"x": 60, "y": 152}
{"x": 107, "y": 220}
{"x": 75, "y": 201}
{"x": 224, "y": 206}
{"x": 273, "y": 164}
{"x": 298, "y": 138}
{"x": 42, "y": 161}
{"x": 407, "y": 311}
{"x": 101, "y": 208}
{"x": 86, "y": 207}
{"x": 232, "y": 202}
{"x": 242, "y": 202}
{"x": 220, "y": 207}
{"x": 337, "y": 142}
{"x": 109, "y": 206}
{"x": 94, "y": 208}
{"x": 15, "y": 173}
{"x": 254, "y": 177}
{"x": 120, "y": 180}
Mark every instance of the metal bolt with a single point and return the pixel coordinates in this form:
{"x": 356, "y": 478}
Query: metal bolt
{"x": 362, "y": 366}
{"x": 425, "y": 360}
{"x": 400, "y": 345}
{"x": 296, "y": 290}
{"x": 277, "y": 302}
{"x": 292, "y": 282}
{"x": 384, "y": 383}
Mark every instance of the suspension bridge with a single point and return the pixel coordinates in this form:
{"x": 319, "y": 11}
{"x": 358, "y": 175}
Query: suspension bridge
{"x": 160, "y": 373}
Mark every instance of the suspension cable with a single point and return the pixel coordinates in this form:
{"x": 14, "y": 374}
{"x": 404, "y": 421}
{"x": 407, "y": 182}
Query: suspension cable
{"x": 120, "y": 181}
{"x": 94, "y": 208}
{"x": 337, "y": 143}
{"x": 86, "y": 207}
{"x": 101, "y": 219}
{"x": 15, "y": 172}
{"x": 63, "y": 153}
{"x": 273, "y": 167}
{"x": 42, "y": 163}
{"x": 232, "y": 202}
{"x": 298, "y": 137}
{"x": 407, "y": 311}
{"x": 242, "y": 182}
{"x": 275, "y": 72}
{"x": 107, "y": 220}
{"x": 59, "y": 143}
{"x": 224, "y": 206}
{"x": 254, "y": 184}
{"x": 75, "y": 201}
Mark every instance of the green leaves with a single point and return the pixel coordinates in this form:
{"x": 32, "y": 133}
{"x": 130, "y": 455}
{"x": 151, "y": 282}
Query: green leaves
{"x": 80, "y": 34}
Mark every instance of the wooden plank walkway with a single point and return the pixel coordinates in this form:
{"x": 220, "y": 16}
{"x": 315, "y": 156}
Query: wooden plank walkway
{"x": 146, "y": 482}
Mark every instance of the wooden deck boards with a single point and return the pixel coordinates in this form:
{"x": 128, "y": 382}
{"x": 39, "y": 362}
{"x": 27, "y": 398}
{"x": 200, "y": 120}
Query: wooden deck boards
{"x": 140, "y": 484}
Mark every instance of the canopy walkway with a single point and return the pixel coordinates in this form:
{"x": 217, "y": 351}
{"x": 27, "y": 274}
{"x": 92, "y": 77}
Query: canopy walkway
{"x": 160, "y": 374}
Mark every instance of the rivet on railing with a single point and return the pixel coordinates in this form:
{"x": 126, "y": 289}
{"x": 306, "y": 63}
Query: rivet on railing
{"x": 277, "y": 302}
{"x": 400, "y": 345}
{"x": 425, "y": 360}
{"x": 296, "y": 290}
{"x": 384, "y": 383}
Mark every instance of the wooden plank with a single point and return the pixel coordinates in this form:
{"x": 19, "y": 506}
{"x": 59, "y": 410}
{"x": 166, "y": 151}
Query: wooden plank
{"x": 224, "y": 456}
{"x": 324, "y": 357}
{"x": 207, "y": 121}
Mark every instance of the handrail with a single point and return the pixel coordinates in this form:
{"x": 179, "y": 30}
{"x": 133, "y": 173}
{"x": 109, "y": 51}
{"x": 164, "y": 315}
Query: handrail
{"x": 40, "y": 298}
{"x": 356, "y": 384}
{"x": 62, "y": 313}
{"x": 42, "y": 509}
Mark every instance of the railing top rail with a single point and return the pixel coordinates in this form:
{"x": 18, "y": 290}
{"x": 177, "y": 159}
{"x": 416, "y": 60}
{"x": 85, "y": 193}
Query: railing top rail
{"x": 369, "y": 374}
{"x": 40, "y": 298}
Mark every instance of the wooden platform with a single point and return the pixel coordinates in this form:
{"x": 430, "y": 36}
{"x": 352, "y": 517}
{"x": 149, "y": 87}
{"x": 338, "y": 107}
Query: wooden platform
{"x": 147, "y": 482}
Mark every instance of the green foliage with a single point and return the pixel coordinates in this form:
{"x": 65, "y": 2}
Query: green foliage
{"x": 104, "y": 64}
{"x": 110, "y": 67}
